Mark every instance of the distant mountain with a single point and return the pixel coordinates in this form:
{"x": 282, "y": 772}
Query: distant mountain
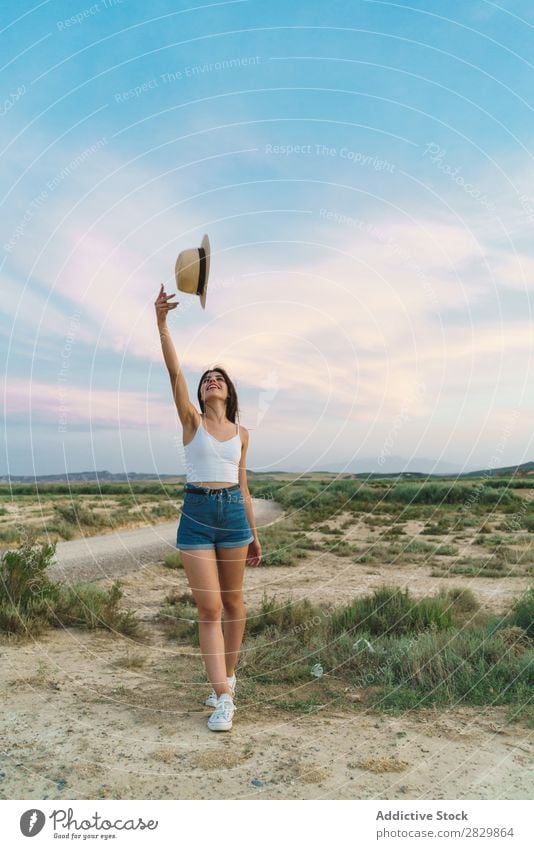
{"x": 76, "y": 477}
{"x": 393, "y": 466}
{"x": 522, "y": 469}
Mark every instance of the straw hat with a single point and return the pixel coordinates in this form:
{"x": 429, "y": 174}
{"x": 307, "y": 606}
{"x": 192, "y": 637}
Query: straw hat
{"x": 192, "y": 270}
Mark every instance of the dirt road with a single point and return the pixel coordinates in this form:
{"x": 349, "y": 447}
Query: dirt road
{"x": 121, "y": 552}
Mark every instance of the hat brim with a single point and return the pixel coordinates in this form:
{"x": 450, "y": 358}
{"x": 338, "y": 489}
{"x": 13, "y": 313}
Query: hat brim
{"x": 207, "y": 247}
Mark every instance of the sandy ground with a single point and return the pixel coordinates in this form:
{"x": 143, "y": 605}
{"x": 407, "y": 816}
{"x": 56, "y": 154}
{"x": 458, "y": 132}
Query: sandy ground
{"x": 95, "y": 715}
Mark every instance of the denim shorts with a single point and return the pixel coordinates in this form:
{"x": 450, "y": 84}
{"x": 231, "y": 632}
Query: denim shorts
{"x": 213, "y": 517}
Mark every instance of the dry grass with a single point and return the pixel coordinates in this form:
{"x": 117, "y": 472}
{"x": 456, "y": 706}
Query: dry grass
{"x": 391, "y": 764}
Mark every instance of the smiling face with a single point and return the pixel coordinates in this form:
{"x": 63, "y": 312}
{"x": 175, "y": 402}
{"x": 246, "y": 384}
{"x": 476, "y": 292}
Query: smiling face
{"x": 216, "y": 385}
{"x": 213, "y": 386}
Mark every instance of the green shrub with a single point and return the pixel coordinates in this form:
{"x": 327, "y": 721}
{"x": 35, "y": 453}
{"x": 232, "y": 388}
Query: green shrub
{"x": 340, "y": 547}
{"x": 392, "y": 533}
{"x": 417, "y": 546}
{"x": 490, "y": 568}
{"x": 285, "y": 615}
{"x": 493, "y": 540}
{"x": 86, "y": 605}
{"x": 428, "y": 493}
{"x": 167, "y": 511}
{"x": 412, "y": 670}
{"x": 445, "y": 667}
{"x": 179, "y": 616}
{"x": 31, "y": 602}
{"x": 522, "y": 612}
{"x": 435, "y": 528}
{"x": 391, "y": 610}
{"x": 326, "y": 529}
{"x": 282, "y": 546}
{"x": 433, "y": 665}
{"x": 23, "y": 577}
{"x": 62, "y": 528}
{"x": 9, "y": 534}
{"x": 78, "y": 515}
{"x": 173, "y": 560}
{"x": 462, "y": 598}
{"x": 446, "y": 550}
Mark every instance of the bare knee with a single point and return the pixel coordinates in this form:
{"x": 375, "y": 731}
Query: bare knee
{"x": 234, "y": 604}
{"x": 210, "y": 612}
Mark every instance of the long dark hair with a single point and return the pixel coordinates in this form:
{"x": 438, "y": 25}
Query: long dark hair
{"x": 232, "y": 407}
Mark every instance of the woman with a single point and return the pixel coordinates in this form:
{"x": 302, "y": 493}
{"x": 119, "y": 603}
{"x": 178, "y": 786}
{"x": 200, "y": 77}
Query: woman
{"x": 217, "y": 534}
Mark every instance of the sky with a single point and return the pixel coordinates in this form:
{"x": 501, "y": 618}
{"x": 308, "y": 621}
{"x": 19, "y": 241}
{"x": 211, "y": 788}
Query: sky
{"x": 364, "y": 171}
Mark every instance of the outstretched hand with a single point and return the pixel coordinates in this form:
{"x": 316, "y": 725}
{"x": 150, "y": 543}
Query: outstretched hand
{"x": 164, "y": 304}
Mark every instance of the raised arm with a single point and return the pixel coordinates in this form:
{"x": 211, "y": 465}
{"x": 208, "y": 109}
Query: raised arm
{"x": 163, "y": 305}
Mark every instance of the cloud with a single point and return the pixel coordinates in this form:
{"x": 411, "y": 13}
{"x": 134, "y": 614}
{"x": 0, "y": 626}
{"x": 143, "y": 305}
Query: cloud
{"x": 64, "y": 404}
{"x": 351, "y": 312}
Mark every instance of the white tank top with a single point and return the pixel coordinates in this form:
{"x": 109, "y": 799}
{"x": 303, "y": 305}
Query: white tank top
{"x": 210, "y": 459}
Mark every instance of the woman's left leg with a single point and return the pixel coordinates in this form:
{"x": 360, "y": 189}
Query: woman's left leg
{"x": 231, "y": 566}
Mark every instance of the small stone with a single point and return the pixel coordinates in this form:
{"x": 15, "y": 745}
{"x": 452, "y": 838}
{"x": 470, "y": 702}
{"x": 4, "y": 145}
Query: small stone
{"x": 256, "y": 782}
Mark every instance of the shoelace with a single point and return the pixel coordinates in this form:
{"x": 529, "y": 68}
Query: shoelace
{"x": 224, "y": 709}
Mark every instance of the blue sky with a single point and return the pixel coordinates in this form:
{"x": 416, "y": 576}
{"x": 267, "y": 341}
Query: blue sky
{"x": 365, "y": 173}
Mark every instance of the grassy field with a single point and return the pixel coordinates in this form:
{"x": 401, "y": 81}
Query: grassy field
{"x": 396, "y": 652}
{"x": 399, "y": 652}
{"x": 57, "y": 512}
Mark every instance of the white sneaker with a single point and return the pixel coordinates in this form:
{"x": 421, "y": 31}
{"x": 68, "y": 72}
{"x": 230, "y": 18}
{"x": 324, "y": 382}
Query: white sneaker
{"x": 211, "y": 701}
{"x": 221, "y": 718}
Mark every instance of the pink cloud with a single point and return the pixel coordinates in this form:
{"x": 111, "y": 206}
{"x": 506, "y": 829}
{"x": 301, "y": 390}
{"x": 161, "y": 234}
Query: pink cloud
{"x": 68, "y": 404}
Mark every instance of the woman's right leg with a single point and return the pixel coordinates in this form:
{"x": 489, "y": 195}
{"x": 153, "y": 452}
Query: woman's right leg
{"x": 200, "y": 566}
